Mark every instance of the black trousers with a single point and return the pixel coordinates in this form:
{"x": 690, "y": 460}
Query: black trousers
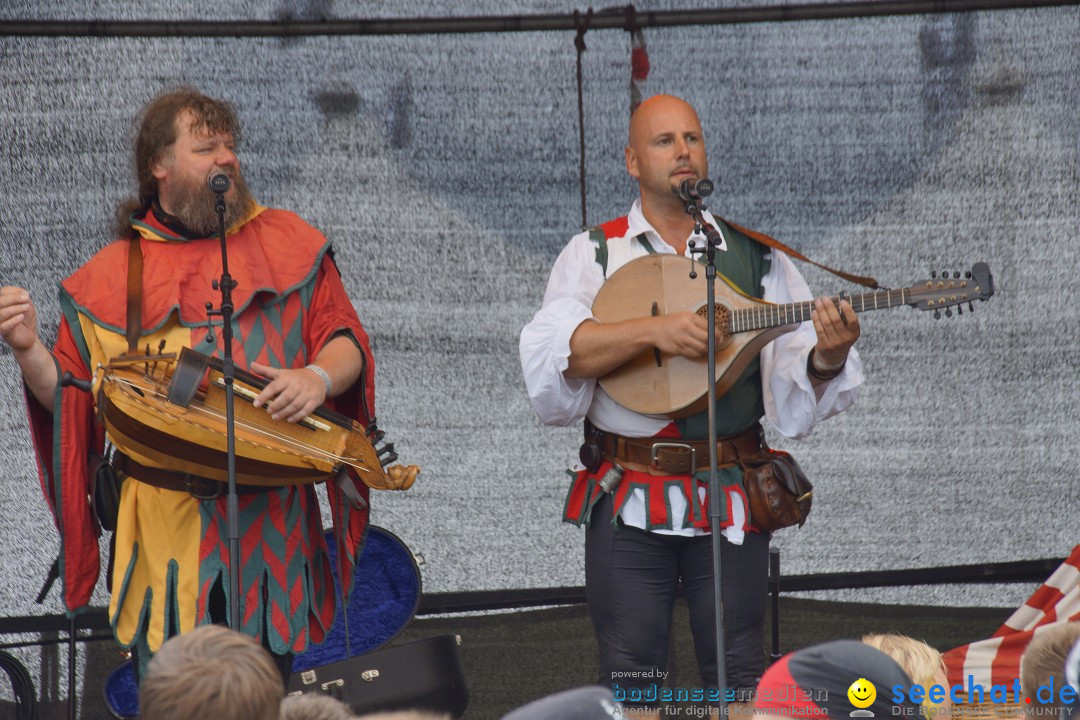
{"x": 631, "y": 578}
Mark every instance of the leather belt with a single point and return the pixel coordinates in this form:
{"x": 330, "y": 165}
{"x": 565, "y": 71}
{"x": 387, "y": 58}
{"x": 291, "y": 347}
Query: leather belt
{"x": 659, "y": 456}
{"x": 200, "y": 488}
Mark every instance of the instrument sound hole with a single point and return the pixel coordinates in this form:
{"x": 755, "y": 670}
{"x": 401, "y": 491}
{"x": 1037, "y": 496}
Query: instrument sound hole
{"x": 723, "y": 323}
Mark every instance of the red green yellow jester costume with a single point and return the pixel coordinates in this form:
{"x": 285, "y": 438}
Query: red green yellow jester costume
{"x": 170, "y": 548}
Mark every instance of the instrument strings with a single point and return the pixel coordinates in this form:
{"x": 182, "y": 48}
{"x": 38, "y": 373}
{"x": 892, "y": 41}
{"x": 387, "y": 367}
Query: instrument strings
{"x": 200, "y": 407}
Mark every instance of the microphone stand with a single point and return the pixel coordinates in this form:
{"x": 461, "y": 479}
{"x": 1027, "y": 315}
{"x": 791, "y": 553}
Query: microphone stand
{"x": 713, "y": 239}
{"x": 219, "y": 184}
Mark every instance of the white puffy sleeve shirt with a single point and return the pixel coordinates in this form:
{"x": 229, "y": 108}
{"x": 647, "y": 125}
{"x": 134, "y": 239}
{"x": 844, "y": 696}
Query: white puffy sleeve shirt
{"x": 791, "y": 404}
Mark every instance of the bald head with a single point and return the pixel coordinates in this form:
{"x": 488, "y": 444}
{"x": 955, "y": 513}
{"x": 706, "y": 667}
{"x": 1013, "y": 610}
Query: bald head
{"x": 657, "y": 110}
{"x": 665, "y": 148}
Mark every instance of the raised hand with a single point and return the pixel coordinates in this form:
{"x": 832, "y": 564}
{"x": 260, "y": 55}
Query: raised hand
{"x": 18, "y": 318}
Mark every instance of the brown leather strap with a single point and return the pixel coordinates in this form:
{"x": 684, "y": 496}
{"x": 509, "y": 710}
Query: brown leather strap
{"x": 198, "y": 487}
{"x": 777, "y": 245}
{"x": 664, "y": 456}
{"x": 134, "y": 295}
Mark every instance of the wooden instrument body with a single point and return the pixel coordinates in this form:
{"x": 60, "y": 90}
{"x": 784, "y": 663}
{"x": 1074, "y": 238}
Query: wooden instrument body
{"x": 143, "y": 422}
{"x": 660, "y": 285}
{"x": 654, "y": 383}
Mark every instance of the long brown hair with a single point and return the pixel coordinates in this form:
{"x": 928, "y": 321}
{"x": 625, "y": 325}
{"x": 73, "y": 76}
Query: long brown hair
{"x": 157, "y": 133}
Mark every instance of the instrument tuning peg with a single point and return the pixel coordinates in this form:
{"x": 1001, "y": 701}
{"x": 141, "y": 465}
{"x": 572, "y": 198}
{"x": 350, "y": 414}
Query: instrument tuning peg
{"x": 937, "y": 314}
{"x": 968, "y": 274}
{"x": 959, "y": 309}
{"x": 956, "y": 274}
{"x": 933, "y": 274}
{"x": 944, "y": 274}
{"x": 948, "y": 312}
{"x": 971, "y": 307}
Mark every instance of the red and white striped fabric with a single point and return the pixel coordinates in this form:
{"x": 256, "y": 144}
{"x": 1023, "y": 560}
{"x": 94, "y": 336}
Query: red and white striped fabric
{"x": 996, "y": 660}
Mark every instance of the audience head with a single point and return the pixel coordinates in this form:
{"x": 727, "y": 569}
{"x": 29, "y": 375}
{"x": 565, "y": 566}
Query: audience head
{"x": 311, "y": 706}
{"x": 585, "y": 703}
{"x": 1043, "y": 670}
{"x": 843, "y": 678}
{"x": 211, "y": 672}
{"x": 923, "y": 664}
{"x": 406, "y": 715}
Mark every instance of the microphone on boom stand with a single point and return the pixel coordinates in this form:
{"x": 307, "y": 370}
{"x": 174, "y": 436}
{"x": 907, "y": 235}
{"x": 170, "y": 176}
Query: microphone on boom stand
{"x": 219, "y": 182}
{"x": 693, "y": 190}
{"x": 691, "y": 193}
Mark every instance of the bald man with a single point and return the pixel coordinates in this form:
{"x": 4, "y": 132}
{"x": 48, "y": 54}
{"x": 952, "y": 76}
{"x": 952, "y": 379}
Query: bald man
{"x": 650, "y": 532}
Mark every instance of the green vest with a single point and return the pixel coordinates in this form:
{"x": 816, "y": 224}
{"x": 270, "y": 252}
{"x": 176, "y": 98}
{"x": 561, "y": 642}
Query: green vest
{"x": 744, "y": 264}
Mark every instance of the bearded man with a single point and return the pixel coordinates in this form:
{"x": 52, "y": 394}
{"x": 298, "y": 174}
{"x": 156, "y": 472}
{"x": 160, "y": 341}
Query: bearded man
{"x": 293, "y": 324}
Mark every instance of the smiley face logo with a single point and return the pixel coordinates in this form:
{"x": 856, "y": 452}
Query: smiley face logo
{"x": 862, "y": 693}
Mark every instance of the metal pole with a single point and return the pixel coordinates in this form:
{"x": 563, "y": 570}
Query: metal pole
{"x": 617, "y": 20}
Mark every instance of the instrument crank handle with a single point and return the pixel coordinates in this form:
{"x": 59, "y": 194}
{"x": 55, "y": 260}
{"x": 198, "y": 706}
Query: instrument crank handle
{"x": 69, "y": 380}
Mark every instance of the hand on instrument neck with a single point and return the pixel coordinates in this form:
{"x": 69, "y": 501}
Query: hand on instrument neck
{"x": 837, "y": 330}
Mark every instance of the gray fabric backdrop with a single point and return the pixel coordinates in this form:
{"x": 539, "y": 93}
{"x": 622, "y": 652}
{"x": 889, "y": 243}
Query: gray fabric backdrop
{"x": 444, "y": 168}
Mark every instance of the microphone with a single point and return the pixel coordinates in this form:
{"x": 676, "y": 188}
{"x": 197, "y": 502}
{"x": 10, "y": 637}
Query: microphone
{"x": 219, "y": 182}
{"x": 688, "y": 191}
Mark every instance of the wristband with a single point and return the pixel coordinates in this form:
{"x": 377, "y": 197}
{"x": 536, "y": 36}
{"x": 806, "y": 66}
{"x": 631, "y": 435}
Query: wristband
{"x": 827, "y": 372}
{"x": 323, "y": 375}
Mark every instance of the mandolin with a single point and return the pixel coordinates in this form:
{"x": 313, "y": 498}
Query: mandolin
{"x": 656, "y": 383}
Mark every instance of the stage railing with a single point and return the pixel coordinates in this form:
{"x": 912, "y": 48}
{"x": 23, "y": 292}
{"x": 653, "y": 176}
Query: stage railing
{"x": 94, "y": 624}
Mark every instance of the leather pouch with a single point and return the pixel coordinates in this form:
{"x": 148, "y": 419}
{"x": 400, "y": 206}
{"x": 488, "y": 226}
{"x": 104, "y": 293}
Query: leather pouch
{"x": 779, "y": 493}
{"x": 105, "y": 498}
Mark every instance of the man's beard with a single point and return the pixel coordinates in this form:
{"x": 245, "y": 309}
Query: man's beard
{"x": 194, "y": 205}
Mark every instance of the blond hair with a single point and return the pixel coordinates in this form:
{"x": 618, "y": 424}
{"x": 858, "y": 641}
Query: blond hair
{"x": 407, "y": 715}
{"x": 310, "y": 706}
{"x": 1043, "y": 662}
{"x": 920, "y": 661}
{"x": 211, "y": 672}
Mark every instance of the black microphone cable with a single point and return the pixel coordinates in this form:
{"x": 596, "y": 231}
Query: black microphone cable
{"x": 22, "y": 687}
